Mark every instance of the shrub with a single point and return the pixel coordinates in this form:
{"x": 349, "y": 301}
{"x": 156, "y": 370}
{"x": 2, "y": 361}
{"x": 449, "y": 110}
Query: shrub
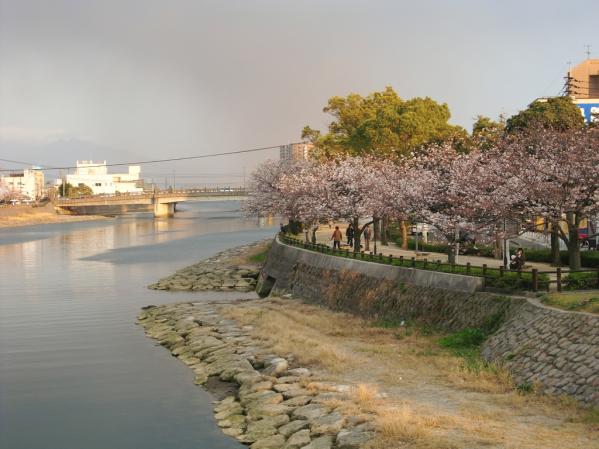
{"x": 588, "y": 259}
{"x": 580, "y": 280}
{"x": 467, "y": 338}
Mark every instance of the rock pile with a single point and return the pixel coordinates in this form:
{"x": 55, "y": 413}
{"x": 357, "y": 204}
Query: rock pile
{"x": 216, "y": 273}
{"x": 276, "y": 406}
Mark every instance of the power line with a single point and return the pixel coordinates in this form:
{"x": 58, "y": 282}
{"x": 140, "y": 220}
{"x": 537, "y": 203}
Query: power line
{"x": 16, "y": 162}
{"x": 156, "y": 161}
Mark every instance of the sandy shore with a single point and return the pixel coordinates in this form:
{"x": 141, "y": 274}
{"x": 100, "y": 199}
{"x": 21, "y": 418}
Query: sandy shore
{"x": 26, "y": 216}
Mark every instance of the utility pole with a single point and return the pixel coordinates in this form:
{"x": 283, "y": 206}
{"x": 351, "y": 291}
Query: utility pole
{"x": 588, "y": 52}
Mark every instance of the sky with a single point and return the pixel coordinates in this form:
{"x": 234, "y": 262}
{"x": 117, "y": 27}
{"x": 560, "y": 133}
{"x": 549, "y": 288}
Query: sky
{"x": 133, "y": 80}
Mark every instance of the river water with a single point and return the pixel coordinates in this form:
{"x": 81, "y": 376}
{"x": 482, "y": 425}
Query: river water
{"x": 75, "y": 370}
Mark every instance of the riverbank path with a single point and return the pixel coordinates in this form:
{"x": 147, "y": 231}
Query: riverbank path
{"x": 323, "y": 235}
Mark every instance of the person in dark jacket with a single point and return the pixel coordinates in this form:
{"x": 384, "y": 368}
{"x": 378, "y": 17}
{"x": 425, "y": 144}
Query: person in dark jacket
{"x": 349, "y": 233}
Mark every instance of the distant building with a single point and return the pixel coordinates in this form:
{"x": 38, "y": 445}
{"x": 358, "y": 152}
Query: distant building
{"x": 30, "y": 183}
{"x": 583, "y": 80}
{"x": 95, "y": 175}
{"x": 296, "y": 151}
{"x": 583, "y": 87}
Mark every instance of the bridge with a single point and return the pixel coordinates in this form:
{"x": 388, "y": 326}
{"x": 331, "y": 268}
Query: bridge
{"x": 162, "y": 203}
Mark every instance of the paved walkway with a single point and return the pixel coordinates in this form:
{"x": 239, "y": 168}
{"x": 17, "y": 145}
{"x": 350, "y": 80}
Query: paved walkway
{"x": 323, "y": 235}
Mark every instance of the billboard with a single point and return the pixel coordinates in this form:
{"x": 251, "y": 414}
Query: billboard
{"x": 589, "y": 109}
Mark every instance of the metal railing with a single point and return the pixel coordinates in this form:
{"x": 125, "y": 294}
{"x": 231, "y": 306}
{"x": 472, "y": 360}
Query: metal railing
{"x": 494, "y": 278}
{"x": 233, "y": 191}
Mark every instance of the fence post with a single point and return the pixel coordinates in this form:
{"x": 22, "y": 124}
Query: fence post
{"x": 425, "y": 263}
{"x": 559, "y": 279}
{"x": 401, "y": 261}
{"x": 467, "y": 267}
{"x": 501, "y": 271}
{"x": 380, "y": 257}
{"x": 535, "y": 280}
{"x": 484, "y": 269}
{"x": 362, "y": 255}
{"x": 413, "y": 262}
{"x": 391, "y": 259}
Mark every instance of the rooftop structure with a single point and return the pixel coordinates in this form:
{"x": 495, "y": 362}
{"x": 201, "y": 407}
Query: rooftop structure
{"x": 583, "y": 80}
{"x": 582, "y": 85}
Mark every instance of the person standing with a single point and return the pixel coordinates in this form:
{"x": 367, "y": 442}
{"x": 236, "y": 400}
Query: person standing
{"x": 336, "y": 238}
{"x": 367, "y": 235}
{"x": 349, "y": 233}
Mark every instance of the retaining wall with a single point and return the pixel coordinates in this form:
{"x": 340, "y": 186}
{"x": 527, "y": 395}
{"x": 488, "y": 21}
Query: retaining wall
{"x": 557, "y": 350}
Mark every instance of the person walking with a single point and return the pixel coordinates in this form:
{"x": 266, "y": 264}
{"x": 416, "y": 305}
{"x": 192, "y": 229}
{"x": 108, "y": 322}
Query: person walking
{"x": 367, "y": 235}
{"x": 336, "y": 238}
{"x": 349, "y": 233}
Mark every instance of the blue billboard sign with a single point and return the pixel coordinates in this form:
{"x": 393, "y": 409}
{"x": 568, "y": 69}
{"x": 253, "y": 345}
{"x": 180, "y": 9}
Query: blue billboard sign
{"x": 590, "y": 111}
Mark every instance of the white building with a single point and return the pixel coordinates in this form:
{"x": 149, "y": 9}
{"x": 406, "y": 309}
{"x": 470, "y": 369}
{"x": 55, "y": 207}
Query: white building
{"x": 30, "y": 183}
{"x": 95, "y": 175}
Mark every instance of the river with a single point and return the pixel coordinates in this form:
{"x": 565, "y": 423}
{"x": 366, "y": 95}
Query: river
{"x": 75, "y": 370}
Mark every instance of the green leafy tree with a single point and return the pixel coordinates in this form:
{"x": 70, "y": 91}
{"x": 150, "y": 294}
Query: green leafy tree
{"x": 558, "y": 113}
{"x": 486, "y": 132}
{"x": 382, "y": 124}
{"x": 69, "y": 191}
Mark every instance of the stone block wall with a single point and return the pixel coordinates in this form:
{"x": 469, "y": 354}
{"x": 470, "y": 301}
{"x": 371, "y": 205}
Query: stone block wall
{"x": 553, "y": 349}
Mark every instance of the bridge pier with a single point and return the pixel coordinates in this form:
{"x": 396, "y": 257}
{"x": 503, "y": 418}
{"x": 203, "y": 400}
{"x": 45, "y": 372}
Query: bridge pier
{"x": 164, "y": 210}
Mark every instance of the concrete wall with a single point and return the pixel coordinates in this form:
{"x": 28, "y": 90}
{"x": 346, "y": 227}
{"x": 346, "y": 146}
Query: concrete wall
{"x": 553, "y": 349}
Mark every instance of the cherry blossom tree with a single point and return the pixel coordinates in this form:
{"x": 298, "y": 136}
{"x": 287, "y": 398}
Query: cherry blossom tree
{"x": 269, "y": 194}
{"x": 350, "y": 186}
{"x": 556, "y": 176}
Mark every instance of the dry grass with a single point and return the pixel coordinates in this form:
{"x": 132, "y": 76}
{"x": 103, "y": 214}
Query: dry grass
{"x": 252, "y": 256}
{"x": 582, "y": 301}
{"x": 422, "y": 395}
{"x": 33, "y": 216}
{"x": 295, "y": 332}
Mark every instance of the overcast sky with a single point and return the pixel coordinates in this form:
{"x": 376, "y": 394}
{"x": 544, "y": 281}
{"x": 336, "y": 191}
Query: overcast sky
{"x": 138, "y": 79}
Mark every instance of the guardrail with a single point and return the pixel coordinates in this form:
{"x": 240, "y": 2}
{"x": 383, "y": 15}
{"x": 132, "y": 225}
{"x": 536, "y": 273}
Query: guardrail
{"x": 495, "y": 278}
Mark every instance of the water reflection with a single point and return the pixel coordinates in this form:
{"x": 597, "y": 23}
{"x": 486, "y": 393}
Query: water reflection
{"x": 75, "y": 372}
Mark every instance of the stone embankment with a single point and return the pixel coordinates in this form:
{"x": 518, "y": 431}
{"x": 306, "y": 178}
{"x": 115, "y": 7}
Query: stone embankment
{"x": 221, "y": 272}
{"x": 276, "y": 404}
{"x": 554, "y": 350}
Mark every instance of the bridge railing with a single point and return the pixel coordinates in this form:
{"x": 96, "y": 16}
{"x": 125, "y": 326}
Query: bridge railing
{"x": 229, "y": 191}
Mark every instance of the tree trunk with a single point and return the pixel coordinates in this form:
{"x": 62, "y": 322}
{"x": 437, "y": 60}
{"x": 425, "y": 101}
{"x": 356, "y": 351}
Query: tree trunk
{"x": 314, "y": 229}
{"x": 404, "y": 234}
{"x": 555, "y": 253}
{"x": 451, "y": 252}
{"x": 357, "y": 234}
{"x": 497, "y": 248}
{"x": 376, "y": 225}
{"x": 384, "y": 227}
{"x": 573, "y": 241}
